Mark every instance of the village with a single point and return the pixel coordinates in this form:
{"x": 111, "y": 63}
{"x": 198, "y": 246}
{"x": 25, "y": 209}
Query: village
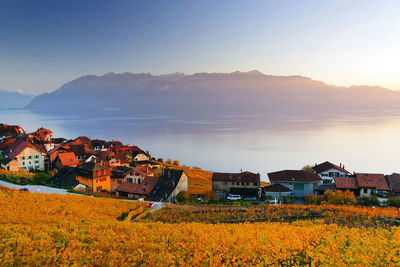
{"x": 96, "y": 166}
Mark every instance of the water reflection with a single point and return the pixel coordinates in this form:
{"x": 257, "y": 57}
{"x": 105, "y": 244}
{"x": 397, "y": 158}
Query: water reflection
{"x": 364, "y": 141}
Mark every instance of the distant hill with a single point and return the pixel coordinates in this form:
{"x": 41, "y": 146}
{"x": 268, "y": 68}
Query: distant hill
{"x": 14, "y": 99}
{"x": 209, "y": 93}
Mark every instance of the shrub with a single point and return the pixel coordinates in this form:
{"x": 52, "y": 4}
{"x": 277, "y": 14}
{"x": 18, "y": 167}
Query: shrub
{"x": 182, "y": 196}
{"x": 394, "y": 202}
{"x": 160, "y": 159}
{"x": 368, "y": 201}
{"x": 310, "y": 199}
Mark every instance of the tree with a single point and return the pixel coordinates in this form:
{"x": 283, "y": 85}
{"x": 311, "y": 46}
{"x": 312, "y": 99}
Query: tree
{"x": 168, "y": 161}
{"x": 182, "y": 196}
{"x": 308, "y": 168}
{"x": 176, "y": 162}
{"x": 160, "y": 159}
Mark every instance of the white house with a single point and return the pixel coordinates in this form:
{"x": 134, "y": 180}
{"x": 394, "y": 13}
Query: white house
{"x": 327, "y": 171}
{"x": 27, "y": 155}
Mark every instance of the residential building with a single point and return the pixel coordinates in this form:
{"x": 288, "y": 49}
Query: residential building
{"x": 10, "y": 130}
{"x": 276, "y": 191}
{"x": 142, "y": 190}
{"x": 394, "y": 182}
{"x": 80, "y": 151}
{"x": 28, "y": 156}
{"x": 243, "y": 183}
{"x": 66, "y": 159}
{"x": 327, "y": 171}
{"x": 41, "y": 135}
{"x": 372, "y": 183}
{"x": 170, "y": 183}
{"x": 95, "y": 176}
{"x": 10, "y": 164}
{"x": 301, "y": 182}
{"x": 366, "y": 184}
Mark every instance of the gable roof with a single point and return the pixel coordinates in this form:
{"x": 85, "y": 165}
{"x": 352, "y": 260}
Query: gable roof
{"x": 17, "y": 147}
{"x": 80, "y": 150}
{"x": 278, "y": 188}
{"x": 372, "y": 180}
{"x": 394, "y": 182}
{"x": 293, "y": 176}
{"x": 68, "y": 159}
{"x": 346, "y": 183}
{"x": 236, "y": 177}
{"x": 328, "y": 165}
{"x": 144, "y": 188}
{"x": 166, "y": 184}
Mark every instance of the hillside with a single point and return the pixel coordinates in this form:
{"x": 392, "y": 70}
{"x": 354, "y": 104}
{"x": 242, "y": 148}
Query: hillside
{"x": 14, "y": 99}
{"x": 208, "y": 94}
{"x": 51, "y": 230}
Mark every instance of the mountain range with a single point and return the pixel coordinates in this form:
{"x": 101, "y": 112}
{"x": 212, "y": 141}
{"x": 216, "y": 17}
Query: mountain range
{"x": 14, "y": 99}
{"x": 209, "y": 93}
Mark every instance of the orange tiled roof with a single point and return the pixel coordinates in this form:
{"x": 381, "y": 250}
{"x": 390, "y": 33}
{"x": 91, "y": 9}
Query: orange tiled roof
{"x": 68, "y": 159}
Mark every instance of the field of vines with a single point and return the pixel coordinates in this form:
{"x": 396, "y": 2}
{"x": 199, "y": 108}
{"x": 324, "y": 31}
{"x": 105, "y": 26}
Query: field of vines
{"x": 50, "y": 230}
{"x": 349, "y": 216}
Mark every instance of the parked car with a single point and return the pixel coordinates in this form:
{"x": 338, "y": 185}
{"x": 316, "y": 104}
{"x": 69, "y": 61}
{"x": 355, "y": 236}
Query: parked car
{"x": 250, "y": 199}
{"x": 233, "y": 197}
{"x": 24, "y": 189}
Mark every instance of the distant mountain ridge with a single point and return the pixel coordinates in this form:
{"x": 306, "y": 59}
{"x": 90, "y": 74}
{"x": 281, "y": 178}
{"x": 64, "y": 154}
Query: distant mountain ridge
{"x": 14, "y": 99}
{"x": 209, "y": 93}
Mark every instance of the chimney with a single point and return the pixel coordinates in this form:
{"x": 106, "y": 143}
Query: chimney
{"x": 340, "y": 165}
{"x": 241, "y": 171}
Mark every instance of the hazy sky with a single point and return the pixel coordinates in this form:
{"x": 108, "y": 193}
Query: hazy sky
{"x": 44, "y": 44}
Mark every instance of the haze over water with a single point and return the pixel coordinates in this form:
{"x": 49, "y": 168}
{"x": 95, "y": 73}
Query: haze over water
{"x": 364, "y": 142}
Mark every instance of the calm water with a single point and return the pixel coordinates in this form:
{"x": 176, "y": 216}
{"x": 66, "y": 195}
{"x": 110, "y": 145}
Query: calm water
{"x": 365, "y": 142}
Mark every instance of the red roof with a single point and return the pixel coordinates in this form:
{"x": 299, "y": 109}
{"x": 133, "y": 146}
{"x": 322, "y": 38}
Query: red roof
{"x": 346, "y": 183}
{"x": 293, "y": 176}
{"x": 68, "y": 159}
{"x": 144, "y": 188}
{"x": 372, "y": 180}
{"x": 236, "y": 177}
{"x": 328, "y": 165}
{"x": 17, "y": 147}
{"x": 144, "y": 170}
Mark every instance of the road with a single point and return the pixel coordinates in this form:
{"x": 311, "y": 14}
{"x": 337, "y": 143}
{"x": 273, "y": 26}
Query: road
{"x": 36, "y": 188}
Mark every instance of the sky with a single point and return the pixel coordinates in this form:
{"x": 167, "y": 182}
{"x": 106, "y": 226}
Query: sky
{"x": 44, "y": 44}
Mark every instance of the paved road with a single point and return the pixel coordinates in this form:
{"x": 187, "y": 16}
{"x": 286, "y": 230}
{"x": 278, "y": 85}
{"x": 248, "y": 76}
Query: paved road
{"x": 36, "y": 188}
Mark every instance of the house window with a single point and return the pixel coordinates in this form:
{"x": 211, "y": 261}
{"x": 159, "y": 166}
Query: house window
{"x": 365, "y": 190}
{"x": 255, "y": 184}
{"x": 23, "y": 163}
{"x": 36, "y": 161}
{"x": 119, "y": 181}
{"x": 30, "y": 162}
{"x": 30, "y": 157}
{"x": 99, "y": 188}
{"x": 23, "y": 158}
{"x": 225, "y": 183}
{"x": 248, "y": 183}
{"x": 129, "y": 180}
{"x": 37, "y": 156}
{"x": 237, "y": 183}
{"x": 233, "y": 183}
{"x": 242, "y": 183}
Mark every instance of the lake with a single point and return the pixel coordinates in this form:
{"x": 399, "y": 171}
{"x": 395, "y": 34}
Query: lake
{"x": 366, "y": 141}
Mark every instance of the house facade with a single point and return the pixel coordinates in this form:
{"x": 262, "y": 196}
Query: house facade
{"x": 168, "y": 186}
{"x": 327, "y": 171}
{"x": 142, "y": 190}
{"x": 300, "y": 182}
{"x": 95, "y": 176}
{"x": 243, "y": 183}
{"x": 28, "y": 156}
{"x": 365, "y": 184}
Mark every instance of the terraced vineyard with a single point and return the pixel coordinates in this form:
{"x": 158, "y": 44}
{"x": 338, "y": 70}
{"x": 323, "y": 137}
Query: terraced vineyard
{"x": 48, "y": 230}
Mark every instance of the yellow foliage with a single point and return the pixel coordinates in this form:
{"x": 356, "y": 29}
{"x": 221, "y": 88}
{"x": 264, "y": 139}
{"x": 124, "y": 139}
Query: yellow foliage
{"x": 48, "y": 230}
